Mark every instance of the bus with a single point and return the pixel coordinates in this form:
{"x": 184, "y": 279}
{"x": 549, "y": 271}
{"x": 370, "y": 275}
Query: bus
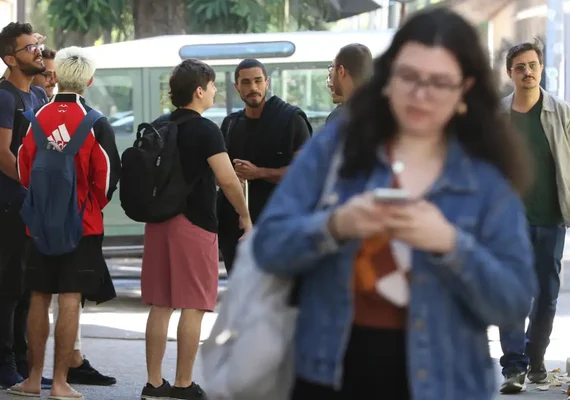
{"x": 131, "y": 83}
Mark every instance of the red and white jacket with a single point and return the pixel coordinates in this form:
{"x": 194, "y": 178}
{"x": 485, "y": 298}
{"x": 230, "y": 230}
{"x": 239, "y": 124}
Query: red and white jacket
{"x": 97, "y": 163}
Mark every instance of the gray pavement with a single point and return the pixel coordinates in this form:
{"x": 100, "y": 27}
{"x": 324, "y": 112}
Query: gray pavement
{"x": 113, "y": 341}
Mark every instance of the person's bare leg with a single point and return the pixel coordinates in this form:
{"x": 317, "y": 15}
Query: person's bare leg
{"x": 155, "y": 340}
{"x": 188, "y": 335}
{"x": 38, "y": 332}
{"x": 77, "y": 358}
{"x": 65, "y": 335}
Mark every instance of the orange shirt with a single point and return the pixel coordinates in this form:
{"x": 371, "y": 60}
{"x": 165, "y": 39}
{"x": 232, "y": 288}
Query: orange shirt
{"x": 373, "y": 261}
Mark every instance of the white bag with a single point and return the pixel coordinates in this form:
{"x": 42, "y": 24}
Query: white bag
{"x": 249, "y": 353}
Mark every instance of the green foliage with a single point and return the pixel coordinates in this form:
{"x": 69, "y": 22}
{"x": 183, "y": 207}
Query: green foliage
{"x": 85, "y": 15}
{"x": 243, "y": 16}
{"x": 112, "y": 20}
{"x": 226, "y": 16}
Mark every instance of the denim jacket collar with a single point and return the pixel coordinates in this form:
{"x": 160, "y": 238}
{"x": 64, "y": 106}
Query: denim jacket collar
{"x": 457, "y": 176}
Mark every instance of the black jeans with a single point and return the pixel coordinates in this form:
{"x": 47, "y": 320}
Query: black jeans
{"x": 14, "y": 300}
{"x": 374, "y": 368}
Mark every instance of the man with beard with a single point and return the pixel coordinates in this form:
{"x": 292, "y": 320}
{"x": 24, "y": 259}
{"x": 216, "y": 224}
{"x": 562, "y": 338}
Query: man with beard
{"x": 261, "y": 141}
{"x": 351, "y": 68}
{"x": 544, "y": 120}
{"x": 21, "y": 51}
{"x": 336, "y": 99}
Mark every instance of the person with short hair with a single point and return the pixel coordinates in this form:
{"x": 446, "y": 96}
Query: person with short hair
{"x": 80, "y": 370}
{"x": 81, "y": 273}
{"x": 46, "y": 79}
{"x": 20, "y": 50}
{"x": 544, "y": 121}
{"x": 180, "y": 265}
{"x": 351, "y": 68}
{"x": 262, "y": 140}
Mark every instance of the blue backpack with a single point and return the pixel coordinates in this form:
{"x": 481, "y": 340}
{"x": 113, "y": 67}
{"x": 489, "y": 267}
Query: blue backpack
{"x": 50, "y": 210}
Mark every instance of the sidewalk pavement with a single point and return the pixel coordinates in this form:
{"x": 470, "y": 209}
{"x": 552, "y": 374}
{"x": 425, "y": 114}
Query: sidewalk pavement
{"x": 113, "y": 341}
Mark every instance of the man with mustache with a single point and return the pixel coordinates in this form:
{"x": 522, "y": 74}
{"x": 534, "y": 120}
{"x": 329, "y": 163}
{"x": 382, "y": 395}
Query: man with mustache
{"x": 46, "y": 79}
{"x": 21, "y": 51}
{"x": 544, "y": 120}
{"x": 261, "y": 141}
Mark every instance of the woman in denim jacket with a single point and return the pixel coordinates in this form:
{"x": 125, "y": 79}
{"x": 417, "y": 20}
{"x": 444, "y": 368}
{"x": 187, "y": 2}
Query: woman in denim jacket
{"x": 396, "y": 296}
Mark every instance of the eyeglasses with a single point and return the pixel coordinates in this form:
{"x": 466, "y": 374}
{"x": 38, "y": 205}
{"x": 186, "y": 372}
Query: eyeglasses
{"x": 32, "y": 48}
{"x": 521, "y": 68}
{"x": 48, "y": 75}
{"x": 409, "y": 82}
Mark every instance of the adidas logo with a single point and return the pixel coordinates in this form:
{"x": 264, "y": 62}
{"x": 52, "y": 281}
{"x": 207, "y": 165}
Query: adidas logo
{"x": 60, "y": 136}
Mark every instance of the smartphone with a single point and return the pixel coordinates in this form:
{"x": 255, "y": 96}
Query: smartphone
{"x": 389, "y": 195}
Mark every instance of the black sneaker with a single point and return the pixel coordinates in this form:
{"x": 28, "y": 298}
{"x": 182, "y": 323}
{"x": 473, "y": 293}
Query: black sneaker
{"x": 514, "y": 382}
{"x": 150, "y": 392}
{"x": 537, "y": 373}
{"x": 192, "y": 392}
{"x": 85, "y": 374}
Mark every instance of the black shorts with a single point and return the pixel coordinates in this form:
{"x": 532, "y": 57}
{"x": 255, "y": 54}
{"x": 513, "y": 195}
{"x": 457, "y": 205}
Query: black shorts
{"x": 12, "y": 251}
{"x": 82, "y": 271}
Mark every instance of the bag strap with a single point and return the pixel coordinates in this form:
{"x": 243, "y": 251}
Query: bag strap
{"x": 328, "y": 187}
{"x": 39, "y": 135}
{"x": 81, "y": 133}
{"x": 8, "y": 86}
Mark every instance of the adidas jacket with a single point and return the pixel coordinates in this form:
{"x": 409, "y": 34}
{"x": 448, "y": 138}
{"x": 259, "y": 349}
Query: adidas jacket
{"x": 98, "y": 163}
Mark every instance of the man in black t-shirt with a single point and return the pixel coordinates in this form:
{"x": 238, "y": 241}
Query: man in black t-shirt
{"x": 262, "y": 141}
{"x": 180, "y": 261}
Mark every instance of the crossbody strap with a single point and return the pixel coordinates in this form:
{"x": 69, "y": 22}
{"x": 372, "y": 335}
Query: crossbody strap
{"x": 328, "y": 188}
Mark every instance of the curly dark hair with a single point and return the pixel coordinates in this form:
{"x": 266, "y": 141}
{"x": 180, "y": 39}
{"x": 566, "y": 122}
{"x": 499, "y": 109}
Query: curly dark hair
{"x": 9, "y": 36}
{"x": 186, "y": 78}
{"x": 483, "y": 131}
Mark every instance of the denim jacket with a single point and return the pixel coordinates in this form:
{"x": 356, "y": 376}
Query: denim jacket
{"x": 487, "y": 280}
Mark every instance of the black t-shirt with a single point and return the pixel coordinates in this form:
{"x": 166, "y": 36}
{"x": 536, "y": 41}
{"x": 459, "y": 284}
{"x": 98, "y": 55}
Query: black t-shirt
{"x": 248, "y": 140}
{"x": 199, "y": 139}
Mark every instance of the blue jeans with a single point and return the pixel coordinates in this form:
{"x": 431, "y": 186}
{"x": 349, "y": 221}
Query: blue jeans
{"x": 520, "y": 349}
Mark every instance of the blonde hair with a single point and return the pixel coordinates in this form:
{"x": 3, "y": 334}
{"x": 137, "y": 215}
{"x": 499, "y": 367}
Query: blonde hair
{"x": 74, "y": 69}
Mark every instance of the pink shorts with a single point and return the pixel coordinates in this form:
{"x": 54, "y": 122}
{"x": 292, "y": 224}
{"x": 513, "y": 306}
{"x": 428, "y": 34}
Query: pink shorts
{"x": 180, "y": 265}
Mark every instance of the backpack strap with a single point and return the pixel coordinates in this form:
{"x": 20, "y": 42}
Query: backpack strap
{"x": 8, "y": 86}
{"x": 81, "y": 133}
{"x": 227, "y": 124}
{"x": 39, "y": 135}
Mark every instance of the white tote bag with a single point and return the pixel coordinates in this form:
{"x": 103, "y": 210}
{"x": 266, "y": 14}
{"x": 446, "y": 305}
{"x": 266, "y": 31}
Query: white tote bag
{"x": 249, "y": 353}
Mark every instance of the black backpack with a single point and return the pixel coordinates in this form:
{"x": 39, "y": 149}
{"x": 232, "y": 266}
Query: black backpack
{"x": 153, "y": 188}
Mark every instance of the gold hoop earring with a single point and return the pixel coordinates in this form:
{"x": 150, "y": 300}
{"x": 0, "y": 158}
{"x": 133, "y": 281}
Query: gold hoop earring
{"x": 462, "y": 108}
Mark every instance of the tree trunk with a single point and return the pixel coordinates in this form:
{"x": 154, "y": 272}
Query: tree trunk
{"x": 156, "y": 18}
{"x": 108, "y": 37}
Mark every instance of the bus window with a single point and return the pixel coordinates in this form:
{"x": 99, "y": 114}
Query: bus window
{"x": 112, "y": 95}
{"x": 217, "y": 113}
{"x": 305, "y": 88}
